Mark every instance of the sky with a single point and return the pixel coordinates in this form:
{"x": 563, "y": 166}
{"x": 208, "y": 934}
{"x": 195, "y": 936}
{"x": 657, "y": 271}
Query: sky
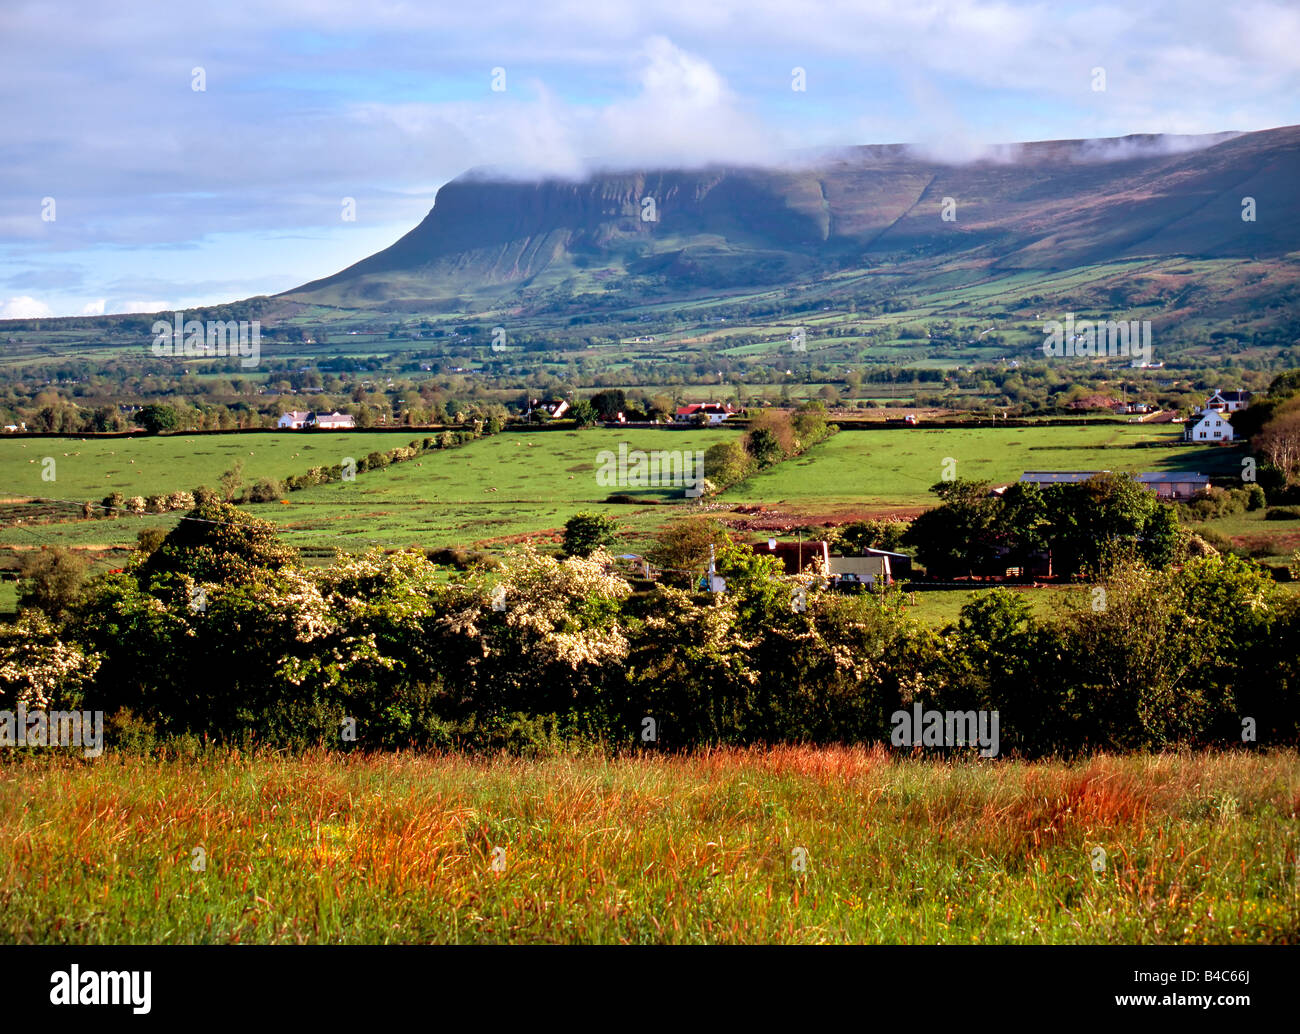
{"x": 154, "y": 157}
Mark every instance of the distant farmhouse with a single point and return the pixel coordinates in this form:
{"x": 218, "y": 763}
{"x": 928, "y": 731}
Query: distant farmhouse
{"x": 1210, "y": 423}
{"x": 298, "y": 420}
{"x": 860, "y": 570}
{"x": 1165, "y": 484}
{"x": 874, "y": 567}
{"x": 900, "y": 564}
{"x": 796, "y": 556}
{"x": 715, "y": 411}
{"x": 1228, "y": 401}
{"x": 553, "y": 408}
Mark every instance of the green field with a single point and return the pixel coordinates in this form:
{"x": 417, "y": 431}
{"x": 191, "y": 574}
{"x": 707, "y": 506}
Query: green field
{"x": 91, "y": 468}
{"x": 792, "y": 845}
{"x": 1272, "y": 541}
{"x": 940, "y": 607}
{"x": 509, "y": 484}
{"x": 881, "y": 469}
{"x": 521, "y": 483}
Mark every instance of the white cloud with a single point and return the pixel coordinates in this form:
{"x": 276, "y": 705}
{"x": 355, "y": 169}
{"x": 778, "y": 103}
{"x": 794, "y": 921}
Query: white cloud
{"x": 139, "y": 306}
{"x": 95, "y": 308}
{"x": 24, "y": 307}
{"x": 683, "y": 115}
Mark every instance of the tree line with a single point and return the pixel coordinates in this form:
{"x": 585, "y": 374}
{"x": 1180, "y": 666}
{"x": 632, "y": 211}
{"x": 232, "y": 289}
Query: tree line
{"x": 219, "y": 631}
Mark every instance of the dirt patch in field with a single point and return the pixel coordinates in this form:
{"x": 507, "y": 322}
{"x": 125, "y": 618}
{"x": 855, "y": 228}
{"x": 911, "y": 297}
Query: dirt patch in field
{"x": 1276, "y": 545}
{"x": 882, "y": 414}
{"x": 552, "y": 535}
{"x": 79, "y": 547}
{"x": 781, "y": 518}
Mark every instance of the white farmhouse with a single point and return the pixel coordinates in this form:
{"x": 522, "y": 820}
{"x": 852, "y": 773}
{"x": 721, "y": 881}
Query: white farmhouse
{"x": 1208, "y": 426}
{"x": 294, "y": 419}
{"x": 1228, "y": 401}
{"x": 333, "y": 421}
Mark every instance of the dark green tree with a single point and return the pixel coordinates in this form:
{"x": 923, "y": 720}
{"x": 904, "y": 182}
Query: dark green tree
{"x": 609, "y": 403}
{"x": 156, "y": 418}
{"x": 765, "y": 447}
{"x": 956, "y": 537}
{"x": 585, "y": 532}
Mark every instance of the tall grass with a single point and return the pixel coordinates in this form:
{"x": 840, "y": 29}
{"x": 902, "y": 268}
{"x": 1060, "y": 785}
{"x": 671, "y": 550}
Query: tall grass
{"x": 695, "y": 848}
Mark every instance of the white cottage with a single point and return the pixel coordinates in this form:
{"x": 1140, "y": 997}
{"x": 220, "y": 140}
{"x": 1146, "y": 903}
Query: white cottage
{"x": 1208, "y": 426}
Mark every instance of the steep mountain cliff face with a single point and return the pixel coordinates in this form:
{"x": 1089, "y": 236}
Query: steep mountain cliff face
{"x": 1045, "y": 206}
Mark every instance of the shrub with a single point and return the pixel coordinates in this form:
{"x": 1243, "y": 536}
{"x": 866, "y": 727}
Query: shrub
{"x": 461, "y": 559}
{"x": 267, "y": 490}
{"x": 1215, "y": 539}
{"x": 1199, "y": 545}
{"x": 1218, "y": 502}
{"x": 584, "y": 533}
{"x": 726, "y": 463}
{"x": 149, "y": 539}
{"x": 51, "y": 579}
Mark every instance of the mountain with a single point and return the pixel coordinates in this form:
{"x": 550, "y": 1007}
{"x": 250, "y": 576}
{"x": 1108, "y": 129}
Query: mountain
{"x": 1038, "y": 208}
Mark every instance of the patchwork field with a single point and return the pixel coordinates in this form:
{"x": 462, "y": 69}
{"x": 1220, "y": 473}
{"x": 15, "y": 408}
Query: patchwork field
{"x": 522, "y": 484}
{"x": 792, "y": 845}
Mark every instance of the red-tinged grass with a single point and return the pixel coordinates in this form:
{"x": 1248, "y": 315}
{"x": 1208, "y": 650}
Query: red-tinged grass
{"x": 694, "y": 848}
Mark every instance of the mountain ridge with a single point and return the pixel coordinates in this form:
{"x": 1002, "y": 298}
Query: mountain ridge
{"x": 1040, "y": 206}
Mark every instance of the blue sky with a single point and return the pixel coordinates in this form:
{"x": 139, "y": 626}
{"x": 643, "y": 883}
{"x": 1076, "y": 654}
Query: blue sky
{"x": 165, "y": 196}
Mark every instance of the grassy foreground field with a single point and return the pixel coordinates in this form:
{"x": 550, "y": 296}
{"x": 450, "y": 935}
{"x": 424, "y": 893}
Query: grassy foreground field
{"x": 698, "y": 848}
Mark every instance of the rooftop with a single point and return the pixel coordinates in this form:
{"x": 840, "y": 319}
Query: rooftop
{"x": 1070, "y": 477}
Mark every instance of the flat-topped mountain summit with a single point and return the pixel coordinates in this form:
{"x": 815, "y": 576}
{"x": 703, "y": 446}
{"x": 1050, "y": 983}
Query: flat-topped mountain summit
{"x": 678, "y": 233}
